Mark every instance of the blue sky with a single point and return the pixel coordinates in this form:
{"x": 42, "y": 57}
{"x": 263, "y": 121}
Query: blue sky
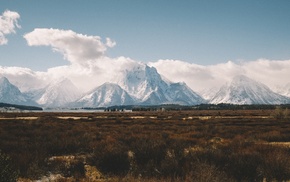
{"x": 204, "y": 32}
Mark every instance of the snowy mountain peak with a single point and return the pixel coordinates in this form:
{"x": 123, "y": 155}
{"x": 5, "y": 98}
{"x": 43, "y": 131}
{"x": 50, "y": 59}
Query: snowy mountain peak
{"x": 108, "y": 94}
{"x": 180, "y": 93}
{"x": 140, "y": 84}
{"x": 9, "y": 93}
{"x": 6, "y": 88}
{"x": 140, "y": 81}
{"x": 58, "y": 93}
{"x": 243, "y": 90}
{"x": 4, "y": 82}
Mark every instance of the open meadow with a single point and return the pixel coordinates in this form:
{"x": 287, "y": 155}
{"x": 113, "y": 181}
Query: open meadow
{"x": 197, "y": 145}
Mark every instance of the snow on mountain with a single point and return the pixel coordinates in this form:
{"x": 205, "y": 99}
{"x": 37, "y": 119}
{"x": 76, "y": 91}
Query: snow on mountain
{"x": 208, "y": 93}
{"x": 243, "y": 90}
{"x": 180, "y": 93}
{"x": 154, "y": 98}
{"x": 57, "y": 94}
{"x": 108, "y": 94}
{"x": 141, "y": 81}
{"x": 9, "y": 93}
{"x": 285, "y": 90}
{"x": 147, "y": 86}
{"x": 140, "y": 84}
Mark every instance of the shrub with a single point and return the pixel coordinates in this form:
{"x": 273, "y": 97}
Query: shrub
{"x": 277, "y": 164}
{"x": 7, "y": 172}
{"x": 67, "y": 166}
{"x": 111, "y": 157}
{"x": 114, "y": 162}
{"x": 149, "y": 153}
{"x": 207, "y": 172}
{"x": 245, "y": 167}
{"x": 280, "y": 113}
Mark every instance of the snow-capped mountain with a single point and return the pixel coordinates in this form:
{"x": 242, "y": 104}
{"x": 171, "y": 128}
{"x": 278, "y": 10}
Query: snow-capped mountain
{"x": 208, "y": 93}
{"x": 180, "y": 93}
{"x": 141, "y": 81}
{"x": 57, "y": 94}
{"x": 9, "y": 93}
{"x": 139, "y": 84}
{"x": 147, "y": 86}
{"x": 108, "y": 94}
{"x": 243, "y": 90}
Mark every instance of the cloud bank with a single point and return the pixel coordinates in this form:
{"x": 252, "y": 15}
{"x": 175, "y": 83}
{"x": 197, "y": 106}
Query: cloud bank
{"x": 273, "y": 73}
{"x": 8, "y": 24}
{"x": 76, "y": 48}
{"x": 89, "y": 66}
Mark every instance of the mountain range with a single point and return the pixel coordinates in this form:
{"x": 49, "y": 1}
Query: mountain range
{"x": 140, "y": 85}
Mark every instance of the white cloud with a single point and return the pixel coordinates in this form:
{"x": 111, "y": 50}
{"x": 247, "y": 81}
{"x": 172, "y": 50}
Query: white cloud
{"x": 178, "y": 71}
{"x": 8, "y": 24}
{"x": 76, "y": 48}
{"x": 90, "y": 67}
{"x": 24, "y": 78}
{"x": 270, "y": 72}
{"x": 84, "y": 77}
{"x": 110, "y": 43}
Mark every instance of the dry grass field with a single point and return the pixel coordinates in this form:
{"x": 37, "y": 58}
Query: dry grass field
{"x": 208, "y": 145}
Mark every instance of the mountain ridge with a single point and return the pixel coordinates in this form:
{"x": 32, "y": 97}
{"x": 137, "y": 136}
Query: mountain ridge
{"x": 140, "y": 85}
{"x": 107, "y": 94}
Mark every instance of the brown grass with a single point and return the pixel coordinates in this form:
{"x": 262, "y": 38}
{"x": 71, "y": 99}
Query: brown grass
{"x": 149, "y": 146}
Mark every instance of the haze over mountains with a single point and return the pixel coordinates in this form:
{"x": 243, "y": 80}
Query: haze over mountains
{"x": 141, "y": 84}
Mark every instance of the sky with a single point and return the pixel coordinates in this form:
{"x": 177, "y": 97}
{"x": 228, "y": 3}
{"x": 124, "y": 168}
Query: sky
{"x": 203, "y": 39}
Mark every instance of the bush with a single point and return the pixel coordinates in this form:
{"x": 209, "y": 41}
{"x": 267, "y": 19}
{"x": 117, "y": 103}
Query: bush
{"x": 207, "y": 172}
{"x": 280, "y": 113}
{"x": 114, "y": 162}
{"x": 149, "y": 153}
{"x": 277, "y": 164}
{"x": 7, "y": 172}
{"x": 111, "y": 157}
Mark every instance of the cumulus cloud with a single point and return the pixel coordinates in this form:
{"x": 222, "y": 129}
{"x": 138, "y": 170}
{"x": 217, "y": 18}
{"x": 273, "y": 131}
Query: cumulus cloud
{"x": 8, "y": 24}
{"x": 76, "y": 48}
